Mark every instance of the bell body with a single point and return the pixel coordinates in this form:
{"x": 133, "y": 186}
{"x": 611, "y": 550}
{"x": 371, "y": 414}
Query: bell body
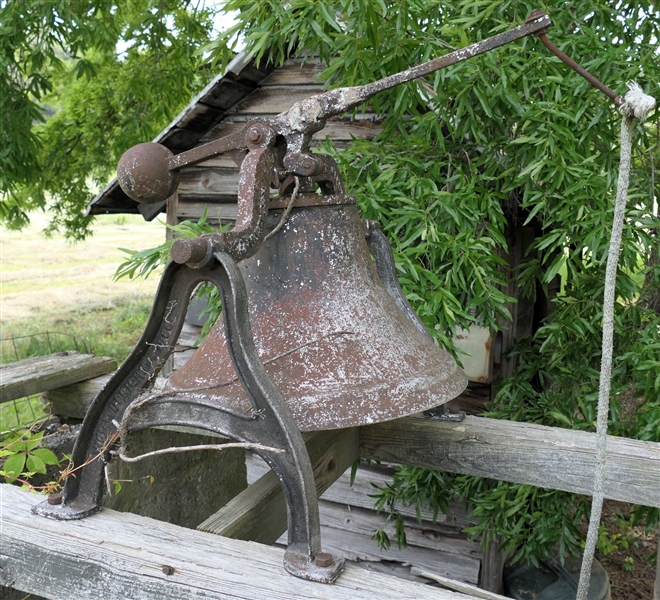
{"x": 333, "y": 340}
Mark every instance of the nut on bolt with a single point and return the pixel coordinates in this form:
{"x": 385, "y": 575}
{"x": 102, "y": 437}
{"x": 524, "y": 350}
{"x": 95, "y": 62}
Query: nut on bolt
{"x": 324, "y": 559}
{"x": 55, "y": 498}
{"x": 255, "y": 136}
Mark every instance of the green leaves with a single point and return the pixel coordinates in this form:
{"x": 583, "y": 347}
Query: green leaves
{"x": 142, "y": 263}
{"x": 80, "y": 83}
{"x": 22, "y": 455}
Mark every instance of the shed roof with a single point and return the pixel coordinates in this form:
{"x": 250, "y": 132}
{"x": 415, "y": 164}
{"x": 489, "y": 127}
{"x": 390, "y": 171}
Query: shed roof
{"x": 204, "y": 112}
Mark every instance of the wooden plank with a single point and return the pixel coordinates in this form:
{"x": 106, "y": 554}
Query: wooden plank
{"x": 215, "y": 212}
{"x": 224, "y": 94}
{"x": 114, "y": 555}
{"x": 359, "y": 494}
{"x": 458, "y": 586}
{"x": 72, "y": 401}
{"x": 356, "y": 547}
{"x": 363, "y": 521}
{"x": 293, "y": 72}
{"x": 200, "y": 117}
{"x": 362, "y": 127}
{"x": 208, "y": 181}
{"x": 548, "y": 457}
{"x": 274, "y": 99}
{"x": 178, "y": 139}
{"x": 43, "y": 373}
{"x": 365, "y": 484}
{"x": 492, "y": 566}
{"x": 259, "y": 513}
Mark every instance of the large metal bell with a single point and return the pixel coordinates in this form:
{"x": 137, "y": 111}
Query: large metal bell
{"x": 334, "y": 341}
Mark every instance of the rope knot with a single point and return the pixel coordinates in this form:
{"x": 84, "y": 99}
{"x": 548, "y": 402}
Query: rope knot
{"x": 636, "y": 103}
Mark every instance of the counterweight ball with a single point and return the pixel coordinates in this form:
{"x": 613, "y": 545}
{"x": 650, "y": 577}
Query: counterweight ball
{"x": 144, "y": 175}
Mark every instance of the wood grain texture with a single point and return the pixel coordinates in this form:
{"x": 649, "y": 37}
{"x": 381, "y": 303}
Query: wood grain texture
{"x": 259, "y": 513}
{"x": 357, "y": 547}
{"x": 452, "y": 584}
{"x": 274, "y": 99}
{"x": 214, "y": 211}
{"x": 362, "y": 127}
{"x": 114, "y": 555}
{"x": 547, "y": 457}
{"x": 43, "y": 373}
{"x": 208, "y": 181}
{"x": 293, "y": 72}
{"x": 72, "y": 401}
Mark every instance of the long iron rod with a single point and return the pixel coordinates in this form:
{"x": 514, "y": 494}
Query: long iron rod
{"x": 580, "y": 70}
{"x": 537, "y": 22}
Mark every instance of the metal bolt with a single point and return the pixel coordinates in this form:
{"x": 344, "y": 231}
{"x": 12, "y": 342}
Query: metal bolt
{"x": 185, "y": 250}
{"x": 168, "y": 570}
{"x": 55, "y": 498}
{"x": 324, "y": 559}
{"x": 255, "y": 136}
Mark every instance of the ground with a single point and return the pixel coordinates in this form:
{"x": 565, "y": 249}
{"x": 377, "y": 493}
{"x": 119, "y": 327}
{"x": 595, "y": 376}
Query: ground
{"x": 629, "y": 562}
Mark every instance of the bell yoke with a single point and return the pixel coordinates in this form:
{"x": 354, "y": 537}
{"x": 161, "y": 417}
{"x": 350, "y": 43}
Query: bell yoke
{"x": 315, "y": 331}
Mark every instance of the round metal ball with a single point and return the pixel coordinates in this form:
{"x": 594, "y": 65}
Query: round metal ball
{"x": 143, "y": 173}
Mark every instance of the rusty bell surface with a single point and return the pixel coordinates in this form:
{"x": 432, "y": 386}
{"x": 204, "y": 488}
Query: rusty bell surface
{"x": 337, "y": 346}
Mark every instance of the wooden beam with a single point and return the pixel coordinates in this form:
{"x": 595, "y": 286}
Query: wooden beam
{"x": 72, "y": 401}
{"x": 259, "y": 512}
{"x": 114, "y": 555}
{"x": 43, "y": 373}
{"x": 548, "y": 457}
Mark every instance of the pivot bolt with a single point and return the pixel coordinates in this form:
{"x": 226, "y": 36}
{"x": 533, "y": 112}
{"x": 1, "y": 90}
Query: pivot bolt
{"x": 255, "y": 136}
{"x": 323, "y": 559}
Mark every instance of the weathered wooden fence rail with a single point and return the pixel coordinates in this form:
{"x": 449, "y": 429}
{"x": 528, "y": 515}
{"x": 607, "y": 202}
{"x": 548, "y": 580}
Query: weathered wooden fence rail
{"x": 561, "y": 459}
{"x": 548, "y": 457}
{"x": 43, "y": 373}
{"x": 96, "y": 557}
{"x": 115, "y": 555}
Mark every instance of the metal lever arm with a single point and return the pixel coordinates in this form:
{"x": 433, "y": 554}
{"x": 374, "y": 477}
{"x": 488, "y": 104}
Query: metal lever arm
{"x": 309, "y": 116}
{"x": 248, "y": 233}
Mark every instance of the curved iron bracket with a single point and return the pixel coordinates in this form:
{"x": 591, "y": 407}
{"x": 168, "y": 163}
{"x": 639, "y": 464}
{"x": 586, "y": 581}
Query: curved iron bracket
{"x": 269, "y": 424}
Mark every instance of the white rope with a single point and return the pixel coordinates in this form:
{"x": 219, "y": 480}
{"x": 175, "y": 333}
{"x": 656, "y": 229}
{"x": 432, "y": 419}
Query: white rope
{"x": 636, "y": 105}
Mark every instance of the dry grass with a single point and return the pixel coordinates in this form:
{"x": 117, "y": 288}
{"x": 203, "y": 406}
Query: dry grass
{"x": 40, "y": 277}
{"x": 49, "y": 285}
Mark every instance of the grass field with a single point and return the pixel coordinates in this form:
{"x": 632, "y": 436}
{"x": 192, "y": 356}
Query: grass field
{"x": 58, "y": 296}
{"x": 41, "y": 276}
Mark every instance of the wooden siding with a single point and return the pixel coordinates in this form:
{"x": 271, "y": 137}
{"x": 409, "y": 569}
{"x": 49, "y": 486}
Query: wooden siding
{"x": 213, "y": 183}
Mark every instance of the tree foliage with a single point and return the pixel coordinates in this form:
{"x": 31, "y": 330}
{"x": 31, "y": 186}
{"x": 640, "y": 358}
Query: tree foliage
{"x": 512, "y": 136}
{"x": 80, "y": 82}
